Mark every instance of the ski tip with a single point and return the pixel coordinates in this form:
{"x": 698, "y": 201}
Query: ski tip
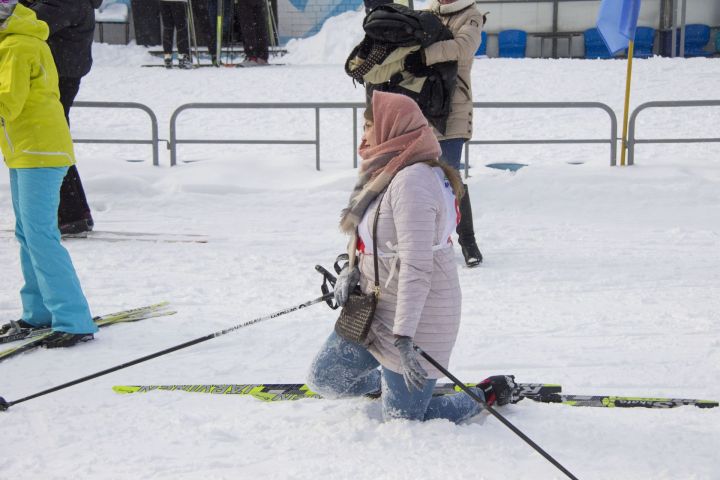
{"x": 4, "y": 405}
{"x": 125, "y": 388}
{"x": 707, "y": 404}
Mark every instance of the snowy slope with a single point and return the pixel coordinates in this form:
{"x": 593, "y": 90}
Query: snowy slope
{"x": 605, "y": 280}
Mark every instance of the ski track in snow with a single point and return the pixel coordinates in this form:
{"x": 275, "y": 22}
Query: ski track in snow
{"x": 605, "y": 280}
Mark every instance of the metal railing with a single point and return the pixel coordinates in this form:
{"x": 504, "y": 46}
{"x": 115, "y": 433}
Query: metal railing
{"x": 612, "y": 140}
{"x": 138, "y": 106}
{"x": 174, "y": 140}
{"x": 354, "y": 106}
{"x": 632, "y": 141}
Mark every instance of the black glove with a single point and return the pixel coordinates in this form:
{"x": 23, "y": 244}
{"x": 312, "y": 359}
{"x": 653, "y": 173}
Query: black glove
{"x": 346, "y": 281}
{"x": 413, "y": 373}
{"x": 498, "y": 389}
{"x": 415, "y": 62}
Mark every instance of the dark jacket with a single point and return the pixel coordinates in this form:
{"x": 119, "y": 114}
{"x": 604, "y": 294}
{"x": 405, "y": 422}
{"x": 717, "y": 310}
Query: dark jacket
{"x": 72, "y": 26}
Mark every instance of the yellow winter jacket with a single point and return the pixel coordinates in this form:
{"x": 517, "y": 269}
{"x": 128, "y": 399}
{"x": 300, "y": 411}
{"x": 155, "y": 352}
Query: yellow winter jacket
{"x": 35, "y": 132}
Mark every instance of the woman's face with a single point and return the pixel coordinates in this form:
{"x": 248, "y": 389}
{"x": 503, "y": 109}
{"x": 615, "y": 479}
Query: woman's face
{"x": 368, "y": 134}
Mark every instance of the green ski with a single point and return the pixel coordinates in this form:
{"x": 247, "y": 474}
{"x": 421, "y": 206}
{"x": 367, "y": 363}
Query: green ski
{"x": 273, "y": 392}
{"x": 35, "y": 337}
{"x": 613, "y": 401}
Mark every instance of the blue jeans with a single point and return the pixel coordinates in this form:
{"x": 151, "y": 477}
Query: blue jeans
{"x": 452, "y": 152}
{"x": 345, "y": 369}
{"x": 51, "y": 295}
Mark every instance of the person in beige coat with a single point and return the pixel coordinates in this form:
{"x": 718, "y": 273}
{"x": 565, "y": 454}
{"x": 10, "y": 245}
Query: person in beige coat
{"x": 420, "y": 297}
{"x": 465, "y": 22}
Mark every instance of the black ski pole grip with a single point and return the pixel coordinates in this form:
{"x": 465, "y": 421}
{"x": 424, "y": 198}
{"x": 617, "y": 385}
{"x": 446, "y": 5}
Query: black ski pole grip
{"x": 325, "y": 273}
{"x": 4, "y": 405}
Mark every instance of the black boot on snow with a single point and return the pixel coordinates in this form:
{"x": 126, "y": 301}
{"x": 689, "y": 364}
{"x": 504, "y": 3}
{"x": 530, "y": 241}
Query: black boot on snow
{"x": 79, "y": 226}
{"x": 168, "y": 61}
{"x": 185, "y": 62}
{"x": 472, "y": 255}
{"x": 64, "y": 340}
{"x": 466, "y": 233}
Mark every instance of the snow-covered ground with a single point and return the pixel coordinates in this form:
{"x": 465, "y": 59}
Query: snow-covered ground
{"x": 605, "y": 280}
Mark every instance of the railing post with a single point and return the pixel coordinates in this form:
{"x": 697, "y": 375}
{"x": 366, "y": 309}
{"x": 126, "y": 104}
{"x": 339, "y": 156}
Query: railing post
{"x": 173, "y": 134}
{"x": 317, "y": 138}
{"x": 631, "y": 137}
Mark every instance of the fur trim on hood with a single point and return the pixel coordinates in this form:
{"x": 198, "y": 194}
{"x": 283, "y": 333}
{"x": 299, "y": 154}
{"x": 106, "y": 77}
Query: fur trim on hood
{"x": 450, "y": 8}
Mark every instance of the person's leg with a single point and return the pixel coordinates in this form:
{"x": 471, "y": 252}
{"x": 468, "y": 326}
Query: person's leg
{"x": 74, "y": 214}
{"x": 452, "y": 154}
{"x": 212, "y": 36}
{"x": 179, "y": 15}
{"x": 254, "y": 29}
{"x": 166, "y": 14}
{"x": 457, "y": 407}
{"x": 37, "y": 201}
{"x": 69, "y": 88}
{"x": 34, "y": 311}
{"x": 344, "y": 369}
{"x": 399, "y": 403}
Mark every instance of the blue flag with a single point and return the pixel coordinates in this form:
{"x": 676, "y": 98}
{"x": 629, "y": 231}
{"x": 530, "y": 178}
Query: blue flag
{"x": 616, "y": 23}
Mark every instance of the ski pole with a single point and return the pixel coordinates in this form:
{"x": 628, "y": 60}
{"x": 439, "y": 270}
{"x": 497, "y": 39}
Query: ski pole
{"x": 502, "y": 419}
{"x": 4, "y": 405}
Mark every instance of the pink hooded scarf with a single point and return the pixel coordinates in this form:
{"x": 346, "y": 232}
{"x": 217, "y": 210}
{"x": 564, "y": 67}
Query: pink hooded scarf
{"x": 400, "y": 137}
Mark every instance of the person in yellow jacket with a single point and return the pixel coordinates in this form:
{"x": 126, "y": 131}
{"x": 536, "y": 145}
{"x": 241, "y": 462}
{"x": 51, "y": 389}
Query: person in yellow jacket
{"x": 38, "y": 149}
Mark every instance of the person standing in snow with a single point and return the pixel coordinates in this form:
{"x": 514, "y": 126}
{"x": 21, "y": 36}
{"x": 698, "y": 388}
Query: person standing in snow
{"x": 420, "y": 296}
{"x": 174, "y": 20}
{"x": 253, "y": 16}
{"x": 465, "y": 22}
{"x": 72, "y": 26}
{"x": 38, "y": 149}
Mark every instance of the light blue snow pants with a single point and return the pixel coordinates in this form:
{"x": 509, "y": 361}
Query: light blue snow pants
{"x": 345, "y": 369}
{"x": 52, "y": 295}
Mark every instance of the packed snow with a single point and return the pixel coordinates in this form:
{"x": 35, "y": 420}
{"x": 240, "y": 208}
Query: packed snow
{"x": 604, "y": 280}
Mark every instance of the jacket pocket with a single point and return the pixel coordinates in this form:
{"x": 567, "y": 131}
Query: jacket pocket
{"x": 464, "y": 89}
{"x": 7, "y": 135}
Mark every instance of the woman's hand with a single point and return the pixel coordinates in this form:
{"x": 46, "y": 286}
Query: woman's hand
{"x": 413, "y": 373}
{"x": 346, "y": 281}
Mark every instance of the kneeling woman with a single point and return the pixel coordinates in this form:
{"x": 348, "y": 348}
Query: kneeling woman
{"x": 420, "y": 292}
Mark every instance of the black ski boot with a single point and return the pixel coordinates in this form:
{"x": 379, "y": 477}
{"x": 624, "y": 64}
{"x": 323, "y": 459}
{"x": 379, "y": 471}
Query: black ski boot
{"x": 64, "y": 339}
{"x": 185, "y": 62}
{"x": 466, "y": 233}
{"x": 168, "y": 61}
{"x": 84, "y": 225}
{"x": 16, "y": 326}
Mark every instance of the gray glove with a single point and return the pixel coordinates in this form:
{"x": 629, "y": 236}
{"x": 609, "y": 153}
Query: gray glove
{"x": 413, "y": 373}
{"x": 346, "y": 281}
